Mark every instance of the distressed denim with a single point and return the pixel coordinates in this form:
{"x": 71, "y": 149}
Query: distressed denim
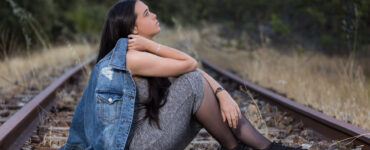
{"x": 103, "y": 116}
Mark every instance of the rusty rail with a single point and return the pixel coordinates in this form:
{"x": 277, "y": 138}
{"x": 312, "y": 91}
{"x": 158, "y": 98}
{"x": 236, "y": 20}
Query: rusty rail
{"x": 17, "y": 129}
{"x": 323, "y": 124}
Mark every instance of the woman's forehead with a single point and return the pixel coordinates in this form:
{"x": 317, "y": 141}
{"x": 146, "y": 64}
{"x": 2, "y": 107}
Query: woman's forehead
{"x": 140, "y": 7}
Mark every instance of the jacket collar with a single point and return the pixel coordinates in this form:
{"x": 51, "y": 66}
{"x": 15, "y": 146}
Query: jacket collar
{"x": 118, "y": 57}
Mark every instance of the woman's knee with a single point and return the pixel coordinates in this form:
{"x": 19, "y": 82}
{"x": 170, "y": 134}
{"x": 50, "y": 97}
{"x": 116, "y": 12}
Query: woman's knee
{"x": 190, "y": 75}
{"x": 198, "y": 81}
{"x": 194, "y": 78}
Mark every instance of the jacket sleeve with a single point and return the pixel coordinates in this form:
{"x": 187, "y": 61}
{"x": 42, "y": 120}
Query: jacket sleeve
{"x": 78, "y": 138}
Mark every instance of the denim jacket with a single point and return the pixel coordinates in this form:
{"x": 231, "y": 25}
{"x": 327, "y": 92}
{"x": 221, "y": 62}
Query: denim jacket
{"x": 103, "y": 116}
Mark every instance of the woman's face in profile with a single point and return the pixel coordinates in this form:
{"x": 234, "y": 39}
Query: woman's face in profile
{"x": 147, "y": 24}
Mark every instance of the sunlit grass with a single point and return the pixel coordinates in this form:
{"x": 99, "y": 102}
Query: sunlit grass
{"x": 30, "y": 71}
{"x": 331, "y": 85}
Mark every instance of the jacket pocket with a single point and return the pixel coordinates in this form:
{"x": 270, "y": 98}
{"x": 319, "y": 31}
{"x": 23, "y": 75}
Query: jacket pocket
{"x": 108, "y": 105}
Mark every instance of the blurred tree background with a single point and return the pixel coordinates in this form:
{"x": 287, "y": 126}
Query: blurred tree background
{"x": 38, "y": 23}
{"x": 336, "y": 26}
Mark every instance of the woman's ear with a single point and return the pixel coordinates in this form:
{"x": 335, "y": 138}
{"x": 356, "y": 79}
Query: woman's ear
{"x": 135, "y": 30}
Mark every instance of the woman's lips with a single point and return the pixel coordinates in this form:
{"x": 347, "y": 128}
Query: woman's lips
{"x": 157, "y": 23}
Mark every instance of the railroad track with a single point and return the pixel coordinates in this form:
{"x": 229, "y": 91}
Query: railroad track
{"x": 43, "y": 123}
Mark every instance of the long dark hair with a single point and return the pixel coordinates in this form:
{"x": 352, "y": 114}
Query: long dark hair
{"x": 119, "y": 23}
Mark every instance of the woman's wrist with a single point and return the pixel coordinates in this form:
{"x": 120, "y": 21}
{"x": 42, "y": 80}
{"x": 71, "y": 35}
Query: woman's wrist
{"x": 218, "y": 89}
{"x": 152, "y": 46}
{"x": 221, "y": 95}
{"x": 213, "y": 83}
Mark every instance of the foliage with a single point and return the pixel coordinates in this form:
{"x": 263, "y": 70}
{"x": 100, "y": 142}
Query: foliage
{"x": 335, "y": 24}
{"x": 43, "y": 21}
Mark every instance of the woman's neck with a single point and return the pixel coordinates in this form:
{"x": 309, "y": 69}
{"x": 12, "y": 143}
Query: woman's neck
{"x": 147, "y": 36}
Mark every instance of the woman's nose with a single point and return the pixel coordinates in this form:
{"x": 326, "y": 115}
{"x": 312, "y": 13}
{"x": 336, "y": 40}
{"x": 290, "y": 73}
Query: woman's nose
{"x": 154, "y": 15}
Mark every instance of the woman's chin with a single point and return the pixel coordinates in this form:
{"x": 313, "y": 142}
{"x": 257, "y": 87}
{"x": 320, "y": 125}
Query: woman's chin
{"x": 159, "y": 30}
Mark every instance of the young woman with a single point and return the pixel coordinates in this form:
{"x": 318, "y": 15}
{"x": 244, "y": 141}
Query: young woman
{"x": 152, "y": 112}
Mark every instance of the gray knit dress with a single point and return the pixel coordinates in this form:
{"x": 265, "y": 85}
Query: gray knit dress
{"x": 176, "y": 117}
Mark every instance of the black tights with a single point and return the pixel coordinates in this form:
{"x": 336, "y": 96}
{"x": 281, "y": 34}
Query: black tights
{"x": 209, "y": 115}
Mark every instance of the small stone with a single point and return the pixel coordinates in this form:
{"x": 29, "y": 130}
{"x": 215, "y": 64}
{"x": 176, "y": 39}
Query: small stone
{"x": 306, "y": 146}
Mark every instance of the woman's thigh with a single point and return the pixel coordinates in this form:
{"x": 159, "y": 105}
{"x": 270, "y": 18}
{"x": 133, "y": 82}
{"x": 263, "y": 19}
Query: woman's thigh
{"x": 176, "y": 117}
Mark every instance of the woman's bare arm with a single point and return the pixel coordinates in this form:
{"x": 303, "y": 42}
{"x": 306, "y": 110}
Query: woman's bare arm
{"x": 168, "y": 52}
{"x": 213, "y": 83}
{"x": 168, "y": 61}
{"x": 230, "y": 110}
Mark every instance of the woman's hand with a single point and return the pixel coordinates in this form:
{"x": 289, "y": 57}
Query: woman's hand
{"x": 139, "y": 43}
{"x": 229, "y": 109}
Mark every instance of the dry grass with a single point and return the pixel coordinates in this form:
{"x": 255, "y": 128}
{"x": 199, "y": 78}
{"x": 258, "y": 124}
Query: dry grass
{"x": 334, "y": 85}
{"x": 31, "y": 71}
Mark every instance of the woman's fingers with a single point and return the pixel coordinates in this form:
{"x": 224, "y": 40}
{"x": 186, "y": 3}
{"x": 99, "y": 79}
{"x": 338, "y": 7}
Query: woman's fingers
{"x": 131, "y": 36}
{"x": 235, "y": 121}
{"x": 232, "y": 114}
{"x": 131, "y": 41}
{"x": 232, "y": 118}
{"x": 130, "y": 44}
{"x": 239, "y": 112}
{"x": 223, "y": 116}
{"x": 130, "y": 47}
{"x": 229, "y": 120}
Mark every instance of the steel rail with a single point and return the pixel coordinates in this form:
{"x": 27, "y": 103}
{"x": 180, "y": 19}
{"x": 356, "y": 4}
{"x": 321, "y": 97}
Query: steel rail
{"x": 324, "y": 125}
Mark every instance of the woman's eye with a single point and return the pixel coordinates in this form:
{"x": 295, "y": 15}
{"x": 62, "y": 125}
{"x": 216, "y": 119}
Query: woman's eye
{"x": 147, "y": 13}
